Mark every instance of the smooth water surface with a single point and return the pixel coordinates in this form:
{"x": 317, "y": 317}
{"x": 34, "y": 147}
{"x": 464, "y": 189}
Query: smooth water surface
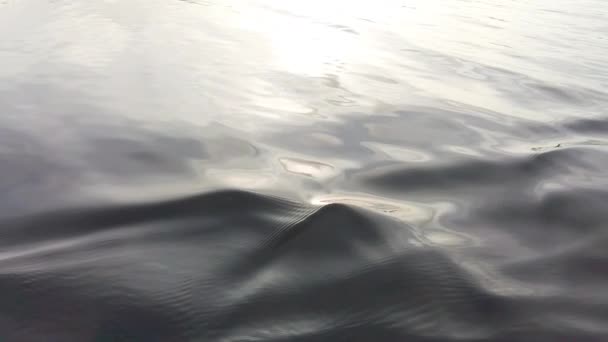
{"x": 282, "y": 170}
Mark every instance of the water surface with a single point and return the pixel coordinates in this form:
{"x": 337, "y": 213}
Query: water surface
{"x": 289, "y": 170}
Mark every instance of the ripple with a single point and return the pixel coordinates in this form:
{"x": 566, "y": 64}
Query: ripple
{"x": 307, "y": 168}
{"x": 434, "y": 171}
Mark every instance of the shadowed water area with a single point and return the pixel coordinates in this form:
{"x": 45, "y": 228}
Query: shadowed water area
{"x": 282, "y": 170}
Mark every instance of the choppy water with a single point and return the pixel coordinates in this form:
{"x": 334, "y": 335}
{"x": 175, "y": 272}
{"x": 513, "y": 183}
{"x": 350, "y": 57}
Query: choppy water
{"x": 282, "y": 170}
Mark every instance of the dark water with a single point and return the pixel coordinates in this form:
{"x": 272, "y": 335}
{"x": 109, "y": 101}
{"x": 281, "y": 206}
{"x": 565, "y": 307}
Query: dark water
{"x": 313, "y": 170}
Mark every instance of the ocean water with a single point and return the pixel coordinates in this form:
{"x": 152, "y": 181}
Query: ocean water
{"x": 282, "y": 170}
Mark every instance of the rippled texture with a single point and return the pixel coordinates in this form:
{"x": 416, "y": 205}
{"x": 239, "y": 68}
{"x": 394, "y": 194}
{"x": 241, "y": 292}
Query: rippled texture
{"x": 290, "y": 170}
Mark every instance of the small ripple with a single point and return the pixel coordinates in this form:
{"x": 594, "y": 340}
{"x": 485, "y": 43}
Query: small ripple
{"x": 307, "y": 168}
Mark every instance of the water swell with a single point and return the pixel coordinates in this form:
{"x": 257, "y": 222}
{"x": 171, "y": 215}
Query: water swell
{"x": 240, "y": 266}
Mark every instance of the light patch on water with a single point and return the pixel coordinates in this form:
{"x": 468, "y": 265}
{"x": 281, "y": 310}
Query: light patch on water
{"x": 244, "y": 179}
{"x": 410, "y": 212}
{"x": 445, "y": 238}
{"x": 398, "y": 152}
{"x": 308, "y": 168}
{"x": 418, "y": 215}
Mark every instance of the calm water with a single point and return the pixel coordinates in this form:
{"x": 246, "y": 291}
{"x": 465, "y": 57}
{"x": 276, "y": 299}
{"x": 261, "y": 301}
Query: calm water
{"x": 282, "y": 170}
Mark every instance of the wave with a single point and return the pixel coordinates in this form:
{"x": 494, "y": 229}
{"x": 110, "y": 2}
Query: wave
{"x": 241, "y": 266}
